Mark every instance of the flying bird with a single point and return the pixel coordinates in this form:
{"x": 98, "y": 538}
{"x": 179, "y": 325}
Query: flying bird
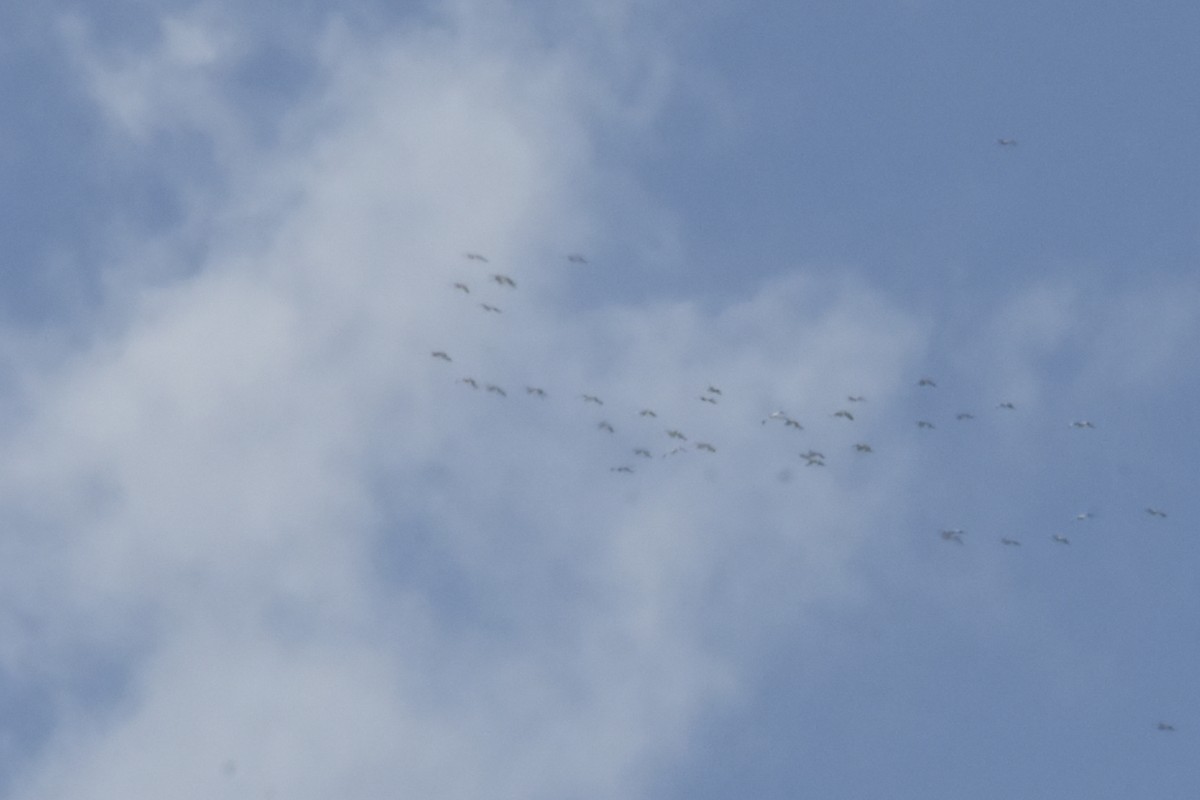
{"x": 856, "y": 398}
{"x": 463, "y": 287}
{"x": 965, "y": 415}
{"x": 591, "y": 398}
{"x": 504, "y": 280}
{"x": 954, "y": 535}
{"x": 705, "y": 446}
{"x": 441, "y": 354}
{"x": 676, "y": 435}
{"x": 621, "y": 469}
{"x": 535, "y": 391}
{"x": 645, "y": 412}
{"x": 490, "y": 308}
{"x": 604, "y": 426}
{"x": 1086, "y": 515}
{"x": 844, "y": 414}
{"x": 813, "y": 461}
{"x": 1007, "y": 405}
{"x": 1060, "y": 539}
{"x": 923, "y": 424}
{"x": 575, "y": 258}
{"x": 1006, "y": 142}
{"x": 1010, "y": 542}
{"x": 469, "y": 382}
{"x": 813, "y": 454}
{"x": 491, "y": 387}
{"x": 713, "y": 390}
{"x": 706, "y": 399}
{"x": 641, "y": 451}
{"x": 791, "y": 423}
{"x": 927, "y": 382}
{"x": 1154, "y": 512}
{"x": 863, "y": 448}
{"x": 476, "y": 257}
{"x": 1166, "y": 726}
{"x": 1083, "y": 423}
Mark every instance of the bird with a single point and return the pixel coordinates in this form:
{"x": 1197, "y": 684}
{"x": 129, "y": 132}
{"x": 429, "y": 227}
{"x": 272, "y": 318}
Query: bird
{"x": 813, "y": 454}
{"x": 535, "y": 391}
{"x": 1083, "y": 517}
{"x": 856, "y": 398}
{"x": 463, "y": 287}
{"x": 591, "y": 398}
{"x": 469, "y": 382}
{"x": 674, "y": 434}
{"x": 1154, "y": 512}
{"x": 707, "y": 399}
{"x": 813, "y": 461}
{"x": 1060, "y": 539}
{"x": 575, "y": 258}
{"x": 1006, "y": 142}
{"x": 713, "y": 390}
{"x": 604, "y": 426}
{"x": 1007, "y": 405}
{"x": 845, "y": 414}
{"x": 491, "y": 387}
{"x": 491, "y": 308}
{"x": 791, "y": 423}
{"x": 705, "y": 446}
{"x": 965, "y": 415}
{"x": 621, "y": 469}
{"x": 674, "y": 452}
{"x": 954, "y": 535}
{"x": 504, "y": 280}
{"x": 1083, "y": 423}
{"x": 923, "y": 424}
{"x": 1166, "y": 726}
{"x": 927, "y": 382}
{"x": 645, "y": 412}
{"x": 1010, "y": 542}
{"x": 442, "y": 355}
{"x": 476, "y": 257}
{"x": 863, "y": 448}
{"x": 641, "y": 451}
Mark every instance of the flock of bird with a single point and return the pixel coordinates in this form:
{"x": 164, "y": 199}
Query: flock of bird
{"x": 677, "y": 442}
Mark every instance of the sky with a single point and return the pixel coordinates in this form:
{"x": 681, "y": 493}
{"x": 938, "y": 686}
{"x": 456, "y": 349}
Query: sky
{"x": 422, "y": 399}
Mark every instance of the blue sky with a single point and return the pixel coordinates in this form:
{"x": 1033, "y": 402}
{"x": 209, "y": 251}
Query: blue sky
{"x": 260, "y": 543}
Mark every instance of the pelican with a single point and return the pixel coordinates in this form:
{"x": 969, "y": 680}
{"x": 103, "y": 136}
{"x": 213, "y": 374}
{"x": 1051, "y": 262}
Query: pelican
{"x": 1006, "y": 142}
{"x": 463, "y": 287}
{"x": 927, "y": 382}
{"x": 442, "y": 355}
{"x": 641, "y": 451}
{"x": 1060, "y": 539}
{"x": 954, "y": 535}
{"x": 965, "y": 415}
{"x": 1010, "y": 542}
{"x": 535, "y": 391}
{"x": 491, "y": 308}
{"x": 856, "y": 398}
{"x": 1166, "y": 726}
{"x": 845, "y": 414}
{"x": 923, "y": 424}
{"x": 707, "y": 399}
{"x": 1083, "y": 423}
{"x": 476, "y": 257}
{"x": 504, "y": 280}
{"x": 1154, "y": 512}
{"x": 1007, "y": 405}
{"x": 645, "y": 412}
{"x": 674, "y": 434}
{"x": 705, "y": 446}
{"x": 591, "y": 398}
{"x": 491, "y": 387}
{"x": 469, "y": 382}
{"x": 863, "y": 448}
{"x": 575, "y": 258}
{"x": 604, "y": 426}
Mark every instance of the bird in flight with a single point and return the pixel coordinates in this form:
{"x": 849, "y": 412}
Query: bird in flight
{"x": 504, "y": 280}
{"x": 713, "y": 390}
{"x": 1060, "y": 539}
{"x": 1083, "y": 423}
{"x": 965, "y": 415}
{"x": 844, "y": 414}
{"x": 863, "y": 448}
{"x": 791, "y": 423}
{"x": 674, "y": 434}
{"x": 490, "y": 308}
{"x": 1006, "y": 142}
{"x": 645, "y": 412}
{"x": 641, "y": 451}
{"x": 927, "y": 382}
{"x": 856, "y": 398}
{"x": 493, "y": 388}
{"x": 706, "y": 399}
{"x": 469, "y": 382}
{"x": 591, "y": 398}
{"x": 923, "y": 424}
{"x": 1010, "y": 542}
{"x": 621, "y": 469}
{"x": 463, "y": 288}
{"x": 604, "y": 426}
{"x": 441, "y": 354}
{"x": 1166, "y": 726}
{"x": 1154, "y": 512}
{"x": 1083, "y": 517}
{"x": 705, "y": 446}
{"x": 954, "y": 535}
{"x": 476, "y": 257}
{"x": 575, "y": 258}
{"x": 1007, "y": 405}
{"x": 535, "y": 391}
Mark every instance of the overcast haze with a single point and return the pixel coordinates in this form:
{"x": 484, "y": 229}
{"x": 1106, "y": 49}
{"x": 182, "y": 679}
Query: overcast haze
{"x": 259, "y": 541}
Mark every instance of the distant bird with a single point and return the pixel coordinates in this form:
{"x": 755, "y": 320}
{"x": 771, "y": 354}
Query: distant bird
{"x": 591, "y": 398}
{"x": 504, "y": 280}
{"x": 791, "y": 423}
{"x": 1010, "y": 542}
{"x": 676, "y": 435}
{"x": 469, "y": 382}
{"x": 812, "y": 454}
{"x": 705, "y": 446}
{"x": 863, "y": 448}
{"x": 923, "y": 424}
{"x": 812, "y": 461}
{"x": 476, "y": 257}
{"x": 491, "y": 387}
{"x": 490, "y": 308}
{"x": 1007, "y": 405}
{"x": 1060, "y": 539}
{"x": 713, "y": 390}
{"x": 442, "y": 355}
{"x": 965, "y": 415}
{"x": 641, "y": 451}
{"x": 775, "y": 415}
{"x": 604, "y": 426}
{"x": 675, "y": 452}
{"x": 1166, "y": 726}
{"x": 535, "y": 391}
{"x": 845, "y": 415}
{"x": 856, "y": 398}
{"x": 1154, "y": 512}
{"x": 1083, "y": 423}
{"x": 1006, "y": 142}
{"x": 621, "y": 469}
{"x": 954, "y": 535}
{"x": 575, "y": 258}
{"x": 1086, "y": 515}
{"x": 645, "y": 412}
{"x": 927, "y": 382}
{"x": 463, "y": 287}
{"x": 706, "y": 399}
